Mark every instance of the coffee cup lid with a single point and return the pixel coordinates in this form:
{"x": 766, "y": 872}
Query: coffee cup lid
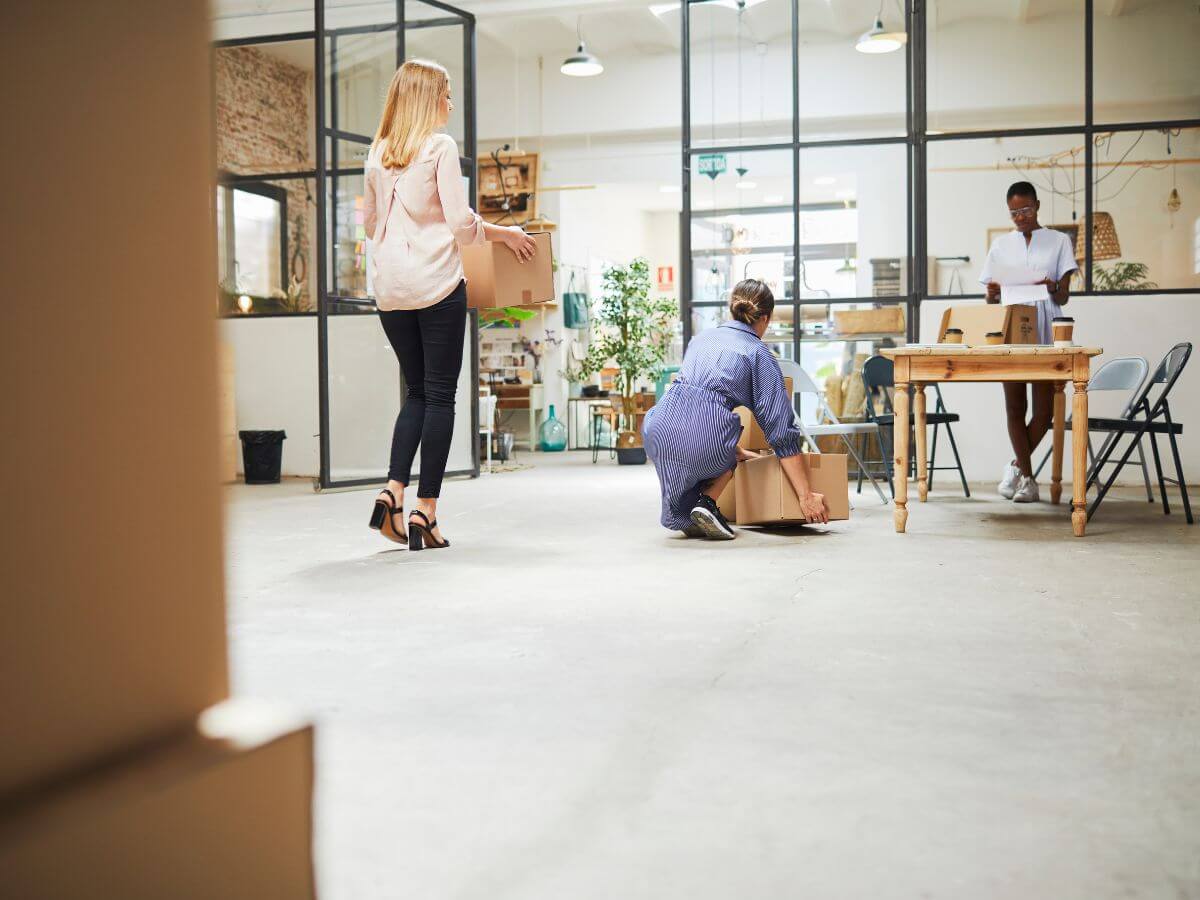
{"x": 995, "y": 334}
{"x": 1063, "y": 319}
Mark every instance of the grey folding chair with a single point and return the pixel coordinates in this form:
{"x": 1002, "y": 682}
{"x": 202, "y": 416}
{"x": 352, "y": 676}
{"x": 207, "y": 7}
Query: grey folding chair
{"x": 1151, "y": 418}
{"x": 1124, "y": 374}
{"x": 802, "y": 384}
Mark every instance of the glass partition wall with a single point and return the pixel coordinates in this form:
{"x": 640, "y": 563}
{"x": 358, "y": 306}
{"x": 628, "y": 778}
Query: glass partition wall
{"x": 863, "y": 182}
{"x": 302, "y": 107}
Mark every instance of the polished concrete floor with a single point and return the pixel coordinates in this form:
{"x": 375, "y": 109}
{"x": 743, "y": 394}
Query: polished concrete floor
{"x": 571, "y": 703}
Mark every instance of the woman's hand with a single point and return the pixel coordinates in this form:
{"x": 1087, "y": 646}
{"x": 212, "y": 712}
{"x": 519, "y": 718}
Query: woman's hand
{"x": 814, "y": 508}
{"x": 744, "y": 455}
{"x": 521, "y": 244}
{"x": 993, "y": 292}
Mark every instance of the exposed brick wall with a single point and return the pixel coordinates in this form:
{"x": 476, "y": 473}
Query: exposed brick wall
{"x": 264, "y": 123}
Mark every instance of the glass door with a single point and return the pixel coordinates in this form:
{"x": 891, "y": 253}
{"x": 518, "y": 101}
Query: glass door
{"x": 360, "y": 390}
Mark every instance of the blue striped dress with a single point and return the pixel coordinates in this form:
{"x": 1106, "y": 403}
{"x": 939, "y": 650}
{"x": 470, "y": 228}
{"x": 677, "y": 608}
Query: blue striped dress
{"x": 691, "y": 435}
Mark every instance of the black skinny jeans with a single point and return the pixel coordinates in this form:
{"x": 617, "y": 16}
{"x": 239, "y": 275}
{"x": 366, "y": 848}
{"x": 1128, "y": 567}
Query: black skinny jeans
{"x": 429, "y": 345}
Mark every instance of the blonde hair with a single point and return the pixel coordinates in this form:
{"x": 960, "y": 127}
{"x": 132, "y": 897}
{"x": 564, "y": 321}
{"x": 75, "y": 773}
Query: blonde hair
{"x": 750, "y": 301}
{"x": 410, "y": 113}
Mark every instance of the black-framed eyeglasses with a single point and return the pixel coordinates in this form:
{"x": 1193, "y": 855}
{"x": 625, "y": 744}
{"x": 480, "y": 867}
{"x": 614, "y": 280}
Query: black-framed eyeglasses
{"x": 1023, "y": 213}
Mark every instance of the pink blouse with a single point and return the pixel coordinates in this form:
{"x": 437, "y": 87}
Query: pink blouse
{"x": 416, "y": 218}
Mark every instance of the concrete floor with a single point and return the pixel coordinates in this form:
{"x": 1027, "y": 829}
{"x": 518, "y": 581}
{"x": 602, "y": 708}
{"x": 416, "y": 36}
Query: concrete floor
{"x": 570, "y": 703}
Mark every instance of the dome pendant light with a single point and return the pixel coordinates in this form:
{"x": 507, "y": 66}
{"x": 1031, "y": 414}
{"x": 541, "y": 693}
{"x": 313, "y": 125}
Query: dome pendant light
{"x": 581, "y": 64}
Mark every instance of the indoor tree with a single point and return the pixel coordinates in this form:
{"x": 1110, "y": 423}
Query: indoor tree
{"x": 632, "y": 331}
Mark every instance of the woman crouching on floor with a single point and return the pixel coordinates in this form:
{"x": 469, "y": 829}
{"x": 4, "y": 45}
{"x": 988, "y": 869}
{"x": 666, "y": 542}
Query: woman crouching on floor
{"x": 692, "y": 434}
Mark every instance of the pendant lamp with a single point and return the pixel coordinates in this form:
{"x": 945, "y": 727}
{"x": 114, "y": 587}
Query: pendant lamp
{"x": 1104, "y": 237}
{"x": 878, "y": 39}
{"x": 581, "y": 64}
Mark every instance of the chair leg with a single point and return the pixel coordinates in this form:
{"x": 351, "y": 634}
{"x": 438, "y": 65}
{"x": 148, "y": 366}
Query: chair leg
{"x": 1106, "y": 453}
{"x": 932, "y": 459}
{"x": 1187, "y": 506}
{"x": 962, "y": 476}
{"x": 1162, "y": 482}
{"x": 1145, "y": 472}
{"x": 1042, "y": 464}
{"x": 887, "y": 461}
{"x": 858, "y": 461}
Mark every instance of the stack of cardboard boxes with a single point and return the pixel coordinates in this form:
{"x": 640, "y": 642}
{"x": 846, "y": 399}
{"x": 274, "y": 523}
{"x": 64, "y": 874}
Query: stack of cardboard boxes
{"x": 124, "y": 770}
{"x": 761, "y": 494}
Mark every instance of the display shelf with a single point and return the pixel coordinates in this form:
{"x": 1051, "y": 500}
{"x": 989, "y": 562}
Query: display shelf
{"x": 833, "y": 337}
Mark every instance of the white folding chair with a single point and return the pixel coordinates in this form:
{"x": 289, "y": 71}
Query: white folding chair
{"x": 827, "y": 423}
{"x": 1127, "y": 373}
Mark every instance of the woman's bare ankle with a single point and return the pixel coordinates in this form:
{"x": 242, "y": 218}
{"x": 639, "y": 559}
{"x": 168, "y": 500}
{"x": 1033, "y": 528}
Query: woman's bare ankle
{"x": 427, "y": 505}
{"x": 397, "y": 489}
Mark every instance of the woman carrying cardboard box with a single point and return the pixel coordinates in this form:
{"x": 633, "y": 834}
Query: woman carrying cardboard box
{"x": 1049, "y": 253}
{"x": 417, "y": 214}
{"x": 691, "y": 435}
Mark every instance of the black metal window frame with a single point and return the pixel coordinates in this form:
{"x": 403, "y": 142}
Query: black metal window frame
{"x": 916, "y": 140}
{"x": 325, "y": 175}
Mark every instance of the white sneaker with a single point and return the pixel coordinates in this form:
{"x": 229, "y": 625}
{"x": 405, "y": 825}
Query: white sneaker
{"x": 1026, "y": 492}
{"x": 1008, "y": 484}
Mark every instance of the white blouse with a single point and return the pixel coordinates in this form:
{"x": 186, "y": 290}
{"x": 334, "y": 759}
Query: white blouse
{"x": 1047, "y": 251}
{"x": 416, "y": 218}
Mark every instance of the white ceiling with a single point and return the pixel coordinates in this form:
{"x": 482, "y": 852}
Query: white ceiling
{"x": 615, "y": 27}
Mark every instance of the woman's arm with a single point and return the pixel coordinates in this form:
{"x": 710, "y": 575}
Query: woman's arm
{"x": 468, "y": 226}
{"x": 812, "y": 504}
{"x": 370, "y": 213}
{"x": 1060, "y": 291}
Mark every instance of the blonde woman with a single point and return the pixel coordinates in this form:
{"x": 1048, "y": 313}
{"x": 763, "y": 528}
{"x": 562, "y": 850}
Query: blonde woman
{"x": 417, "y": 215}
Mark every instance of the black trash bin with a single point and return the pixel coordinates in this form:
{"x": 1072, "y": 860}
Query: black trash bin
{"x": 262, "y": 455}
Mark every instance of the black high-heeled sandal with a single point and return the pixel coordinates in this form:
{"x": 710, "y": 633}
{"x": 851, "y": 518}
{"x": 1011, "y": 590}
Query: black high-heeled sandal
{"x": 383, "y": 518}
{"x": 421, "y": 536}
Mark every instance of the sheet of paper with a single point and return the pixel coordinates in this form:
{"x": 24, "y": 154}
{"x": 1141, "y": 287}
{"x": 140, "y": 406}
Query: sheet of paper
{"x": 1004, "y": 274}
{"x": 1023, "y": 293}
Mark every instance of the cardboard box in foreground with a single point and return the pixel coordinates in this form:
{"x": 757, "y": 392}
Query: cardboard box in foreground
{"x": 1018, "y": 322}
{"x": 752, "y": 435}
{"x": 496, "y": 278}
{"x": 199, "y": 818}
{"x": 764, "y": 495}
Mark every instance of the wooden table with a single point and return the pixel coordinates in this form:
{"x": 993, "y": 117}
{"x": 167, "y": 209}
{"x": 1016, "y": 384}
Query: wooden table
{"x": 918, "y": 366}
{"x": 526, "y": 397}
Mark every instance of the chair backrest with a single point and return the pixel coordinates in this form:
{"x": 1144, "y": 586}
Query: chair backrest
{"x": 1166, "y": 374}
{"x": 879, "y": 375}
{"x": 1124, "y": 374}
{"x": 802, "y": 383}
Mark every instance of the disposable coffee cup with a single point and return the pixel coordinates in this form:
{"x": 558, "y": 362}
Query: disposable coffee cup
{"x": 994, "y": 337}
{"x": 1064, "y": 331}
{"x": 953, "y": 336}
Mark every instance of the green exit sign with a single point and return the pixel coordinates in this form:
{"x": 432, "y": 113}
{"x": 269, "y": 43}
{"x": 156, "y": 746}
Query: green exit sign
{"x": 712, "y": 164}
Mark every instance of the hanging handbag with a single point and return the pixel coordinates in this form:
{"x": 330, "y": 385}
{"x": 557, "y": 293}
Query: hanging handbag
{"x": 575, "y": 305}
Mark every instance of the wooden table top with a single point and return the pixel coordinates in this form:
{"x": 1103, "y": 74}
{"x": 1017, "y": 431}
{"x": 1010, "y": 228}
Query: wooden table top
{"x": 990, "y": 350}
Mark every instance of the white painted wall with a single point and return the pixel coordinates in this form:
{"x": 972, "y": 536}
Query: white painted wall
{"x": 276, "y": 386}
{"x": 1146, "y": 326}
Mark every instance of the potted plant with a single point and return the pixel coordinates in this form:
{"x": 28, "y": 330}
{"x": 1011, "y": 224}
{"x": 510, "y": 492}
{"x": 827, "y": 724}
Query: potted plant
{"x": 1123, "y": 276}
{"x": 632, "y": 330}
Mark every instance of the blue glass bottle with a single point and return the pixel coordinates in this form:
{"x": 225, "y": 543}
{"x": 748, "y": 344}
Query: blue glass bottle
{"x": 553, "y": 434}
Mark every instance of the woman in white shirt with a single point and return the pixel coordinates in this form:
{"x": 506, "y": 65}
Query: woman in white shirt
{"x": 1029, "y": 246}
{"x": 416, "y": 213}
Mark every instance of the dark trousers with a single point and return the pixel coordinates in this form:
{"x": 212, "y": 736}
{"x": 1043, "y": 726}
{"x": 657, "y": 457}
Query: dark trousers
{"x": 429, "y": 345}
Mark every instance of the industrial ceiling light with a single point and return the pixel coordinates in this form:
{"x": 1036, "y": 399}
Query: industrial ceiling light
{"x": 878, "y": 39}
{"x": 581, "y": 64}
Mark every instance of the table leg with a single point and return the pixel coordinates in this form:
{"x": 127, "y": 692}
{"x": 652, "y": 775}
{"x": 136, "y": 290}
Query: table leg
{"x": 922, "y": 452}
{"x": 900, "y": 462}
{"x": 1060, "y": 430}
{"x": 1079, "y": 466}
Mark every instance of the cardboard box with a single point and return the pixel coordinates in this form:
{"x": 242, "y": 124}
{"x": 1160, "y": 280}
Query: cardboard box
{"x": 765, "y": 496}
{"x": 1018, "y": 322}
{"x": 752, "y": 435}
{"x": 885, "y": 320}
{"x": 496, "y": 278}
{"x": 114, "y": 620}
{"x": 218, "y": 814}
